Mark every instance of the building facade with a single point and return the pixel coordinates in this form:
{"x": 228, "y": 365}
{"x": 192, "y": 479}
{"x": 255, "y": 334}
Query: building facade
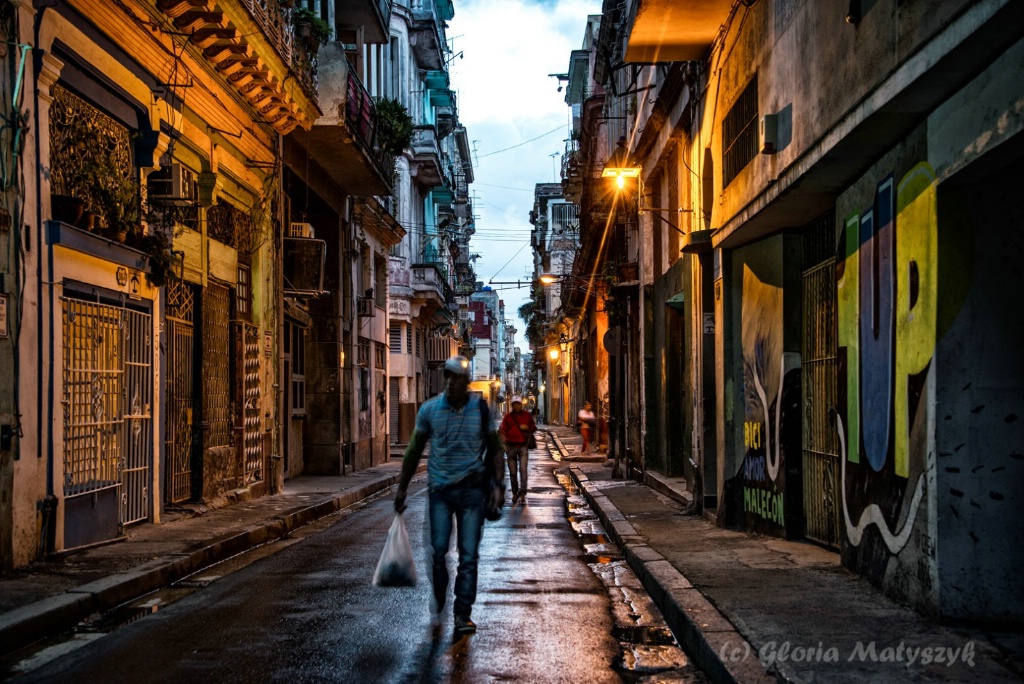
{"x": 818, "y": 204}
{"x": 200, "y": 208}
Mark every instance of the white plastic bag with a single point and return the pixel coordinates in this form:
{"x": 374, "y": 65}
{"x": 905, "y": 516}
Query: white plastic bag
{"x": 396, "y": 567}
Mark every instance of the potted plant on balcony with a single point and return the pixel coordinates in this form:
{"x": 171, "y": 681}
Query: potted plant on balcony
{"x": 310, "y": 28}
{"x": 394, "y": 125}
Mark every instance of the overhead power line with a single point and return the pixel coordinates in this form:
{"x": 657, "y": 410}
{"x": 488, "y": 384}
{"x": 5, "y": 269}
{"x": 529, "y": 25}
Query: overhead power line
{"x": 525, "y": 142}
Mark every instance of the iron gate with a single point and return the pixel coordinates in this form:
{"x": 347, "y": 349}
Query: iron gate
{"x": 107, "y": 398}
{"x": 180, "y": 389}
{"x": 820, "y": 376}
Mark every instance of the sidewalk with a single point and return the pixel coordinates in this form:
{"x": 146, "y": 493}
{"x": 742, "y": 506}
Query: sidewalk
{"x": 756, "y": 609}
{"x": 50, "y": 597}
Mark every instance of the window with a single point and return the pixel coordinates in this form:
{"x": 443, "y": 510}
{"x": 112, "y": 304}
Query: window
{"x": 364, "y": 389}
{"x": 419, "y": 338}
{"x": 380, "y": 281}
{"x": 297, "y": 340}
{"x": 739, "y": 133}
{"x": 380, "y": 355}
{"x": 408, "y": 338}
{"x": 363, "y": 352}
{"x": 243, "y": 294}
{"x": 395, "y": 339}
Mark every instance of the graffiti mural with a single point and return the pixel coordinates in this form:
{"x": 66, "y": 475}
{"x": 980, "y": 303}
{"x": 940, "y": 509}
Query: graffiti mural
{"x": 886, "y": 286}
{"x": 771, "y": 388}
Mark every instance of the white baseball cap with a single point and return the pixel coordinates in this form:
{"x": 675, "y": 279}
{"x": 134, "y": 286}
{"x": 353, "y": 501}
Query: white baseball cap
{"x": 458, "y": 365}
{"x": 517, "y": 399}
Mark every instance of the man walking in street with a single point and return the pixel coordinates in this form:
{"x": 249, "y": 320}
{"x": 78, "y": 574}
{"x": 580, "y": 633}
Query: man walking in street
{"x": 462, "y": 482}
{"x": 516, "y": 428}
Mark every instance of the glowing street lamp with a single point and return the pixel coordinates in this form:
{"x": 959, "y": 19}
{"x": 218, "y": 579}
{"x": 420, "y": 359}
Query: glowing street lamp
{"x": 620, "y": 166}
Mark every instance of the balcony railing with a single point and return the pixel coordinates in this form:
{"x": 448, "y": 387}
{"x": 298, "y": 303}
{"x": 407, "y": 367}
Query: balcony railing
{"x": 361, "y": 117}
{"x": 429, "y": 277}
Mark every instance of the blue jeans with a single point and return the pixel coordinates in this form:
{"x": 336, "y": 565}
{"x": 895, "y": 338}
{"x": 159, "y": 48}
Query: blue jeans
{"x": 466, "y": 502}
{"x": 518, "y": 461}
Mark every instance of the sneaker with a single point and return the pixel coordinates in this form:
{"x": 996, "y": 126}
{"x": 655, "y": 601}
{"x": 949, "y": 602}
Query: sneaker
{"x": 463, "y": 625}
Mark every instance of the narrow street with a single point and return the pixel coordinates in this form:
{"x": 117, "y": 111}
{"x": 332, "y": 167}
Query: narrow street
{"x": 555, "y": 604}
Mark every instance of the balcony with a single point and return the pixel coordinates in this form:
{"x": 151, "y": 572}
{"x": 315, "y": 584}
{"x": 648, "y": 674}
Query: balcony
{"x": 426, "y": 157}
{"x": 675, "y": 30}
{"x": 430, "y": 286}
{"x": 343, "y": 139}
{"x": 250, "y": 43}
{"x": 427, "y": 40}
{"x": 372, "y": 16}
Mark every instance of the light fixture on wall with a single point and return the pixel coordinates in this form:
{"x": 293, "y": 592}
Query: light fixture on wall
{"x": 620, "y": 165}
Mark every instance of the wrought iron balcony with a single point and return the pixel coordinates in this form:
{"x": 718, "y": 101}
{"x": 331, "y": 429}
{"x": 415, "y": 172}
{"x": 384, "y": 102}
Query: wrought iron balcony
{"x": 372, "y": 16}
{"x": 343, "y": 140}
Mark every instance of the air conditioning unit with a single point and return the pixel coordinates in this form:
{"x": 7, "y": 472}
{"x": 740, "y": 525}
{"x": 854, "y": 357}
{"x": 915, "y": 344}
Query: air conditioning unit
{"x": 301, "y": 230}
{"x": 769, "y": 131}
{"x": 366, "y": 307}
{"x": 172, "y": 182}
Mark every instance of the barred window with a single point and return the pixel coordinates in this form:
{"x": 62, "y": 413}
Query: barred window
{"x": 243, "y": 293}
{"x": 395, "y": 339}
{"x": 419, "y": 339}
{"x": 364, "y": 389}
{"x": 297, "y": 339}
{"x": 363, "y": 352}
{"x": 739, "y": 133}
{"x": 408, "y": 338}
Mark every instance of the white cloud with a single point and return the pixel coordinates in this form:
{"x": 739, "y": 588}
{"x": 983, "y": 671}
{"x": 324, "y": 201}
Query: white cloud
{"x": 506, "y": 99}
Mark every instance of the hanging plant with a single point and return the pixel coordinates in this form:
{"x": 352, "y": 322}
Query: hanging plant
{"x": 314, "y": 31}
{"x": 394, "y": 125}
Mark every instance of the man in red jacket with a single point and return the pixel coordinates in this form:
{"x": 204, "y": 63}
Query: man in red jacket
{"x": 515, "y": 430}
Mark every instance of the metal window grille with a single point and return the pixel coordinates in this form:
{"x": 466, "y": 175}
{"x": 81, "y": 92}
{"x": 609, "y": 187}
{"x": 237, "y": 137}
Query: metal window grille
{"x": 820, "y": 378}
{"x": 739, "y": 133}
{"x": 395, "y": 339}
{"x": 419, "y": 344}
{"x": 408, "y": 337}
{"x": 364, "y": 389}
{"x": 180, "y": 390}
{"x": 363, "y": 352}
{"x": 216, "y": 312}
{"x": 243, "y": 293}
{"x": 107, "y": 396}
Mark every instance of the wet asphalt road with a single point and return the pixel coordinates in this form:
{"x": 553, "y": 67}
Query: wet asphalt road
{"x": 304, "y": 610}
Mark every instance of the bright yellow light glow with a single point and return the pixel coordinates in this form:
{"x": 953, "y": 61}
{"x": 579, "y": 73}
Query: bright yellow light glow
{"x": 547, "y": 278}
{"x": 621, "y": 182}
{"x": 621, "y": 172}
{"x": 553, "y": 354}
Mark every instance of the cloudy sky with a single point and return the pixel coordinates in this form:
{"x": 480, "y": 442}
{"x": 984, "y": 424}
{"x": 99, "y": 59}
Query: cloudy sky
{"x": 516, "y": 120}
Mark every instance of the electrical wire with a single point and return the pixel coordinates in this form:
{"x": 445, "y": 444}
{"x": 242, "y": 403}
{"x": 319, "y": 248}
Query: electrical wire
{"x": 525, "y": 142}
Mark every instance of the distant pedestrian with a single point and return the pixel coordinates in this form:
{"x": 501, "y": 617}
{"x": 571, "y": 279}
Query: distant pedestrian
{"x": 515, "y": 430}
{"x": 458, "y": 427}
{"x": 587, "y": 421}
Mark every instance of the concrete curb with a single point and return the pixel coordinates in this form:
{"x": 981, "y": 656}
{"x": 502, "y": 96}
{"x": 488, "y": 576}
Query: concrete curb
{"x": 712, "y": 641}
{"x": 23, "y": 626}
{"x": 557, "y": 443}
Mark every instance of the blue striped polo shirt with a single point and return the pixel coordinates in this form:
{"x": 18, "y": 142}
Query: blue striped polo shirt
{"x": 456, "y": 438}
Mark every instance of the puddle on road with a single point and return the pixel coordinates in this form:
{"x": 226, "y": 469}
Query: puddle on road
{"x": 648, "y": 649}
